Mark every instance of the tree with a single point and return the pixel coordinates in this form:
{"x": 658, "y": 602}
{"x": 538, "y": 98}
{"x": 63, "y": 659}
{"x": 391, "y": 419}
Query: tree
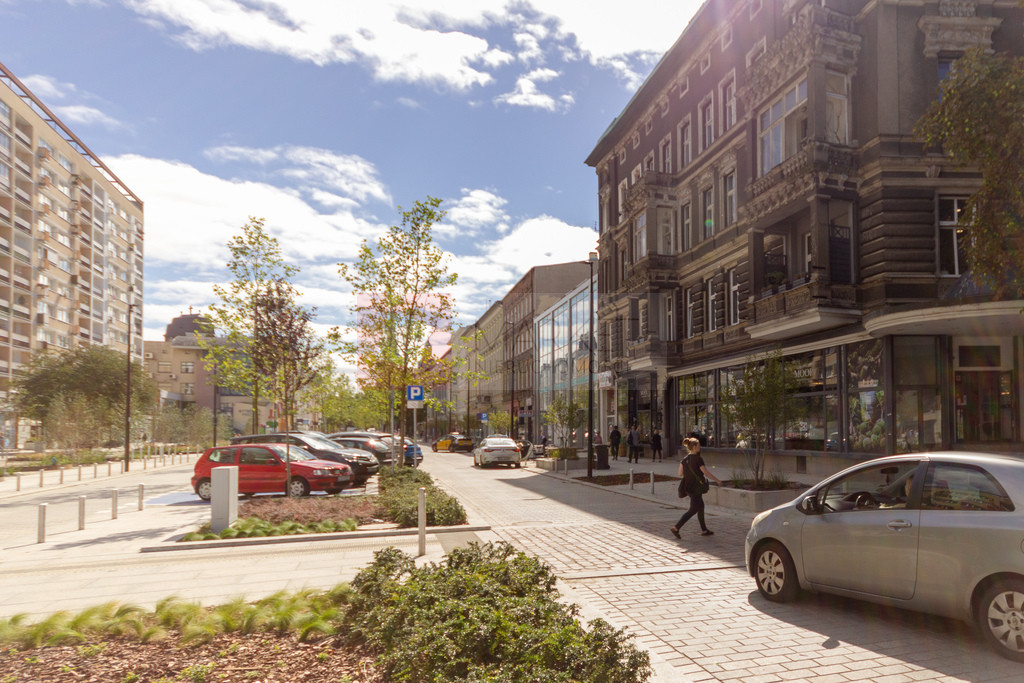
{"x": 564, "y": 415}
{"x": 74, "y": 423}
{"x": 401, "y": 285}
{"x": 758, "y": 402}
{"x": 979, "y": 122}
{"x": 255, "y": 262}
{"x": 54, "y": 383}
{"x": 499, "y": 420}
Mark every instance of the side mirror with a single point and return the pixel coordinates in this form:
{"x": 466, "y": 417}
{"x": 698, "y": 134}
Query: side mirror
{"x": 810, "y": 506}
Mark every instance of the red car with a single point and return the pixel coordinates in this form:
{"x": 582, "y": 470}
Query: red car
{"x": 261, "y": 469}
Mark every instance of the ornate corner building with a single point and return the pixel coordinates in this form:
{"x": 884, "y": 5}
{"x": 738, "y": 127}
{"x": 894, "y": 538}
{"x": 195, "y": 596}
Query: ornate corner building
{"x": 764, "y": 189}
{"x": 71, "y": 244}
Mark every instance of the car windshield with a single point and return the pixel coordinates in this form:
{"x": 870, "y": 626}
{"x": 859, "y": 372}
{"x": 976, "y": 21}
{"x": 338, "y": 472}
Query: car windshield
{"x": 293, "y": 453}
{"x": 319, "y": 441}
{"x": 502, "y": 443}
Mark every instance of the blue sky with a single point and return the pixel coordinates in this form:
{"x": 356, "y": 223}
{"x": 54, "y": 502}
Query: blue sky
{"x": 323, "y": 117}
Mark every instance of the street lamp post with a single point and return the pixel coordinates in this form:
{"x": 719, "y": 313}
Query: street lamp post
{"x": 128, "y": 388}
{"x": 591, "y": 259}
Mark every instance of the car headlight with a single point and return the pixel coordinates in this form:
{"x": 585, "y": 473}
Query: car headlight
{"x": 321, "y": 473}
{"x": 760, "y": 517}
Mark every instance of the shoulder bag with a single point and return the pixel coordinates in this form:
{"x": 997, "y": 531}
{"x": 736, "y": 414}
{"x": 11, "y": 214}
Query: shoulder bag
{"x": 702, "y": 481}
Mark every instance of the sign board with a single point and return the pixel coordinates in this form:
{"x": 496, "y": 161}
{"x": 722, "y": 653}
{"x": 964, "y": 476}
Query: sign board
{"x": 483, "y": 417}
{"x": 414, "y": 396}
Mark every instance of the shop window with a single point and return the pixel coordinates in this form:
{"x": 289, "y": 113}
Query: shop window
{"x": 952, "y": 236}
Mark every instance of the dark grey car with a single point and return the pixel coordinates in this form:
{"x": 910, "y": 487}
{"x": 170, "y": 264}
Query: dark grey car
{"x": 941, "y": 533}
{"x": 363, "y": 464}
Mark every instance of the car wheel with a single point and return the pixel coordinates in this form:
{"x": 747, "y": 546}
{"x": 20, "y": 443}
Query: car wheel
{"x": 298, "y": 487}
{"x": 518, "y": 465}
{"x": 204, "y": 488}
{"x": 775, "y": 572}
{"x": 1001, "y": 617}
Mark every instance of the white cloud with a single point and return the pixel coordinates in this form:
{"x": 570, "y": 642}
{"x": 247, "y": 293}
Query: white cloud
{"x": 86, "y": 116}
{"x": 475, "y": 212}
{"x": 47, "y": 87}
{"x": 526, "y": 93}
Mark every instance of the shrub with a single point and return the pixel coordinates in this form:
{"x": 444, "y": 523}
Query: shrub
{"x": 486, "y": 613}
{"x": 399, "y": 496}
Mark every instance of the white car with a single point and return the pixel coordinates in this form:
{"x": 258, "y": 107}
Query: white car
{"x": 495, "y": 450}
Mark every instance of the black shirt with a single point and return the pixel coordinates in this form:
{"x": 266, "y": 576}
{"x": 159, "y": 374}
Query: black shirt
{"x": 692, "y": 464}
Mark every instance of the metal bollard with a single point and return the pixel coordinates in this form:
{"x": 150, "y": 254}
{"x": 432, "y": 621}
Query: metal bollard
{"x": 17, "y": 481}
{"x": 81, "y": 512}
{"x": 41, "y": 470}
{"x": 41, "y": 535}
{"x": 145, "y": 463}
{"x": 113, "y": 505}
{"x": 95, "y": 470}
{"x": 62, "y": 468}
{"x": 652, "y": 482}
{"x": 110, "y": 467}
{"x": 79, "y": 473}
{"x": 422, "y": 521}
{"x": 141, "y": 488}
{"x": 120, "y": 464}
{"x": 631, "y": 480}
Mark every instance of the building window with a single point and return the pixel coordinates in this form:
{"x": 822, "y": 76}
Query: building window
{"x": 726, "y": 37}
{"x": 756, "y": 52}
{"x": 691, "y": 312}
{"x": 712, "y": 312}
{"x": 837, "y": 89}
{"x": 623, "y": 190}
{"x": 952, "y": 236}
{"x": 188, "y": 388}
{"x": 705, "y": 62}
{"x": 686, "y": 225}
{"x": 734, "y": 297}
{"x": 707, "y": 202}
{"x": 707, "y": 123}
{"x": 665, "y": 153}
{"x": 729, "y": 198}
{"x": 187, "y": 367}
{"x": 685, "y": 144}
{"x": 636, "y": 140}
{"x": 668, "y": 322}
{"x": 640, "y": 237}
{"x": 684, "y": 87}
{"x": 728, "y": 97}
{"x": 649, "y": 163}
{"x": 636, "y": 174}
{"x": 808, "y": 254}
{"x": 755, "y": 7}
{"x": 648, "y": 126}
{"x": 783, "y": 127}
{"x": 163, "y": 366}
{"x": 668, "y": 243}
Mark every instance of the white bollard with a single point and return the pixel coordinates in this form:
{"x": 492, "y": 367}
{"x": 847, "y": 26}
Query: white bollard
{"x": 631, "y": 480}
{"x": 41, "y": 535}
{"x": 110, "y": 468}
{"x": 95, "y": 470}
{"x": 79, "y": 473}
{"x": 62, "y": 468}
{"x": 17, "y": 481}
{"x": 113, "y": 505}
{"x": 41, "y": 470}
{"x": 652, "y": 482}
{"x": 141, "y": 489}
{"x": 422, "y": 521}
{"x": 81, "y": 512}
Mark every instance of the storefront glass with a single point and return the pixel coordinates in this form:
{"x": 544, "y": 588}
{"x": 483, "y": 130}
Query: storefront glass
{"x": 866, "y": 397}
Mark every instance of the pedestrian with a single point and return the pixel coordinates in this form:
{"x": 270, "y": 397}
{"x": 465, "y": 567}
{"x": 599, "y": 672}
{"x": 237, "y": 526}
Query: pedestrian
{"x": 633, "y": 442}
{"x": 614, "y": 439}
{"x": 690, "y": 467}
{"x": 597, "y": 438}
{"x": 656, "y": 454}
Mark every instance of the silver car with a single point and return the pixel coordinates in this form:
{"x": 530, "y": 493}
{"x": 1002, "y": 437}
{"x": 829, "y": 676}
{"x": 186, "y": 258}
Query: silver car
{"x": 497, "y": 449}
{"x": 941, "y": 533}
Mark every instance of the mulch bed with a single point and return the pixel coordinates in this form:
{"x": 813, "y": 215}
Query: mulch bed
{"x": 363, "y": 509}
{"x": 231, "y": 658}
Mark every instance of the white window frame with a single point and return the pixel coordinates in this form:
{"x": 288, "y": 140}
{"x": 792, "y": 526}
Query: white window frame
{"x": 954, "y": 231}
{"x": 727, "y": 91}
{"x": 665, "y": 154}
{"x": 734, "y": 297}
{"x": 668, "y": 317}
{"x": 706, "y": 114}
{"x": 711, "y": 314}
{"x": 729, "y": 198}
{"x": 640, "y": 237}
{"x": 623, "y": 192}
{"x": 707, "y": 213}
{"x": 726, "y": 39}
{"x": 686, "y": 225}
{"x": 756, "y": 52}
{"x": 685, "y": 132}
{"x": 837, "y": 108}
{"x": 691, "y": 313}
{"x": 684, "y": 87}
{"x": 755, "y": 7}
{"x": 779, "y": 127}
{"x": 705, "y": 62}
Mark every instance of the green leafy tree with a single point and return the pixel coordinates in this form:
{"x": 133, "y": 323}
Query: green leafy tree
{"x": 979, "y": 122}
{"x": 95, "y": 374}
{"x": 758, "y": 402}
{"x": 499, "y": 420}
{"x": 402, "y": 288}
{"x": 75, "y": 423}
{"x": 564, "y": 415}
{"x": 229, "y": 338}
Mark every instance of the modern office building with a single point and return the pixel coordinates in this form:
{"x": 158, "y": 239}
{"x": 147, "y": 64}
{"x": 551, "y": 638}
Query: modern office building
{"x": 764, "y": 189}
{"x": 71, "y": 244}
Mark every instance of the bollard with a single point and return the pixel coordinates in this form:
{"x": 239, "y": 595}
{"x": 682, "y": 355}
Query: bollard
{"x": 422, "y": 521}
{"x": 631, "y": 480}
{"x": 41, "y": 470}
{"x": 79, "y": 473}
{"x": 17, "y": 481}
{"x": 120, "y": 464}
{"x": 141, "y": 488}
{"x": 652, "y": 482}
{"x": 62, "y": 474}
{"x": 110, "y": 467}
{"x": 113, "y": 505}
{"x": 145, "y": 463}
{"x": 95, "y": 470}
{"x": 566, "y": 461}
{"x": 81, "y": 512}
{"x": 41, "y": 535}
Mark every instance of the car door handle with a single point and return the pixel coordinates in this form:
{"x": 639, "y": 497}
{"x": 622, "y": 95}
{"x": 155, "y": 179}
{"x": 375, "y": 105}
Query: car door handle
{"x": 898, "y": 524}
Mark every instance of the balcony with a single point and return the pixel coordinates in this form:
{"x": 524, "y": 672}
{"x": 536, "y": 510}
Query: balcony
{"x": 650, "y": 185}
{"x": 792, "y": 310}
{"x": 651, "y": 272}
{"x": 790, "y": 180}
{"x": 650, "y": 351}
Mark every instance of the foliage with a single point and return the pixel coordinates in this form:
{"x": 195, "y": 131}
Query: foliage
{"x": 564, "y": 415}
{"x": 339, "y": 404}
{"x": 188, "y": 425}
{"x": 85, "y": 384}
{"x": 402, "y": 301}
{"x": 979, "y": 122}
{"x": 486, "y": 613}
{"x": 230, "y": 334}
{"x": 75, "y": 423}
{"x": 499, "y": 421}
{"x": 254, "y": 527}
{"x": 399, "y": 497}
{"x": 758, "y": 402}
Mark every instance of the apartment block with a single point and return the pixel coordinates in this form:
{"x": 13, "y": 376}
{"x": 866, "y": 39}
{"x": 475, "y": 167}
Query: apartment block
{"x": 764, "y": 189}
{"x": 71, "y": 243}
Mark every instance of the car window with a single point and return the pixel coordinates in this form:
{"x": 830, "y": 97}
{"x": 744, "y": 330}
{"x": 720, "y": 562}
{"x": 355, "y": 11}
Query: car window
{"x": 886, "y": 485}
{"x": 254, "y": 455}
{"x": 294, "y": 453}
{"x": 951, "y": 486}
{"x": 500, "y": 442}
{"x": 223, "y": 455}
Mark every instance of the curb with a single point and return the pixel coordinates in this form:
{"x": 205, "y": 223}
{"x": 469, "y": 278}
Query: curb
{"x": 305, "y": 538}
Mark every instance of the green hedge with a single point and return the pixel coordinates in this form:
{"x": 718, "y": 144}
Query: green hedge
{"x": 399, "y": 496}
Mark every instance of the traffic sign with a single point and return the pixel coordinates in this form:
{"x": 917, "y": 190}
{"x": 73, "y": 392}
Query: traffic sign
{"x": 414, "y": 392}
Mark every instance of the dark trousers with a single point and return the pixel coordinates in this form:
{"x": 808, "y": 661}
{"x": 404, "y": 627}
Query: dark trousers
{"x": 696, "y": 508}
{"x": 634, "y": 454}
{"x": 615, "y": 451}
{"x": 656, "y": 454}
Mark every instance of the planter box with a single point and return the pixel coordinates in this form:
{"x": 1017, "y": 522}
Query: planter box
{"x": 558, "y": 465}
{"x": 749, "y": 501}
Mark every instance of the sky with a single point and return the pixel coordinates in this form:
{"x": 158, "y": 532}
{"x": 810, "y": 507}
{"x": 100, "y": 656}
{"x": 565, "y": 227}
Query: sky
{"x": 324, "y": 117}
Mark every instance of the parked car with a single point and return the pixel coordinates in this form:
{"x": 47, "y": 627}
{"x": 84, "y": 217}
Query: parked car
{"x": 494, "y": 450}
{"x": 454, "y": 442}
{"x": 370, "y": 444}
{"x": 411, "y": 448}
{"x": 262, "y": 469}
{"x": 934, "y": 532}
{"x": 362, "y": 463}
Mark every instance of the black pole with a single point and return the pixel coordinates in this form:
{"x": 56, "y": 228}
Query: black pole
{"x": 590, "y": 372}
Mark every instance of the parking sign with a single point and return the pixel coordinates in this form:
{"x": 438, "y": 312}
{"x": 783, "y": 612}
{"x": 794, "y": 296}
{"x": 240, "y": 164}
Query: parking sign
{"x": 414, "y": 392}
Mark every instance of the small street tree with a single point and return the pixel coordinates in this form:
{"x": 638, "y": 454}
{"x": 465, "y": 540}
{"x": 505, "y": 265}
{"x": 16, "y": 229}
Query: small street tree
{"x": 499, "y": 420}
{"x": 758, "y": 402}
{"x": 564, "y": 415}
{"x": 229, "y": 337}
{"x": 402, "y": 284}
{"x": 979, "y": 122}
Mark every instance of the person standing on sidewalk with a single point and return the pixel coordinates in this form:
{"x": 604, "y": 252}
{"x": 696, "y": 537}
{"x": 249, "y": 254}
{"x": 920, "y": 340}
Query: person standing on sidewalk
{"x": 614, "y": 439}
{"x": 688, "y": 469}
{"x": 656, "y": 453}
{"x": 633, "y": 442}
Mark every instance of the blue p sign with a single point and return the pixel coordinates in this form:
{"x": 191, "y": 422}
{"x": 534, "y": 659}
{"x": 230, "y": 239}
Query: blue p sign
{"x": 414, "y": 392}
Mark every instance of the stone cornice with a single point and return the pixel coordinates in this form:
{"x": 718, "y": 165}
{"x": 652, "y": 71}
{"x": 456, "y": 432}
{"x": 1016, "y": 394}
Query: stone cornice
{"x": 956, "y": 34}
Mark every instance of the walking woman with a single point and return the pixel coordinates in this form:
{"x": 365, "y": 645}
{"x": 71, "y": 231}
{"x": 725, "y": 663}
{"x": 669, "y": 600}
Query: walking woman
{"x": 688, "y": 469}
